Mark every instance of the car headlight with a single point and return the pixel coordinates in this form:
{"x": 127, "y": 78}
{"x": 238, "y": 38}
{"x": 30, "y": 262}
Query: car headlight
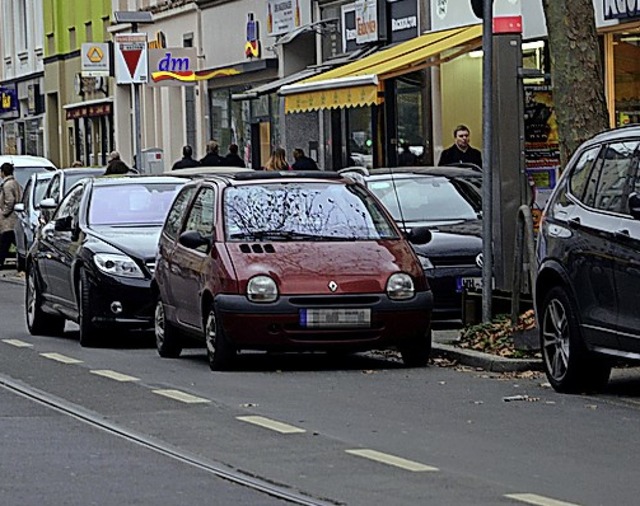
{"x": 117, "y": 265}
{"x": 262, "y": 289}
{"x": 425, "y": 262}
{"x": 400, "y": 286}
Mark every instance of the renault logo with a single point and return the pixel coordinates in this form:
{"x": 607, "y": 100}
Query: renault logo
{"x": 333, "y": 286}
{"x": 479, "y": 260}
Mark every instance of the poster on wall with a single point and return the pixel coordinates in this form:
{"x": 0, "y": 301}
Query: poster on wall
{"x": 541, "y": 147}
{"x": 283, "y": 16}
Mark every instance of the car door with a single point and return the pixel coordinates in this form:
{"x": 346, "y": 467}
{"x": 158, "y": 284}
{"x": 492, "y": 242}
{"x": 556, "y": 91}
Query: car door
{"x": 23, "y": 228}
{"x": 61, "y": 240}
{"x": 189, "y": 263}
{"x": 53, "y": 192}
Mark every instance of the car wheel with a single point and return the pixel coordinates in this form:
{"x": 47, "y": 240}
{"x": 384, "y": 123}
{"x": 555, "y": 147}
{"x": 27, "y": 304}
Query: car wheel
{"x": 167, "y": 336}
{"x": 39, "y": 322}
{"x": 89, "y": 335}
{"x": 415, "y": 353}
{"x": 569, "y": 365}
{"x": 220, "y": 351}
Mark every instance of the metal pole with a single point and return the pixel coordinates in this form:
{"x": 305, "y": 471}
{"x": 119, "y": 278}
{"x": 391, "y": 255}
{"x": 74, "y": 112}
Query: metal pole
{"x": 137, "y": 136}
{"x": 487, "y": 162}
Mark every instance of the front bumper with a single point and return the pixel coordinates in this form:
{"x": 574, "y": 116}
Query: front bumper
{"x": 277, "y": 325}
{"x": 447, "y": 300}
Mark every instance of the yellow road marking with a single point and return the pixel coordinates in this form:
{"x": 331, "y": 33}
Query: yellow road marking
{"x": 392, "y": 460}
{"x": 267, "y": 423}
{"x": 17, "y": 343}
{"x": 538, "y": 500}
{"x": 61, "y": 358}
{"x": 181, "y": 396}
{"x": 114, "y": 375}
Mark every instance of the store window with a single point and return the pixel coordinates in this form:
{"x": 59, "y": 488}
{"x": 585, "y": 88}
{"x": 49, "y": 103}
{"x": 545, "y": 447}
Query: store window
{"x": 626, "y": 56}
{"x": 410, "y": 112}
{"x": 360, "y": 136}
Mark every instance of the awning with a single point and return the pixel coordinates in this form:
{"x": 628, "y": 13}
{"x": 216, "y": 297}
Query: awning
{"x": 359, "y": 83}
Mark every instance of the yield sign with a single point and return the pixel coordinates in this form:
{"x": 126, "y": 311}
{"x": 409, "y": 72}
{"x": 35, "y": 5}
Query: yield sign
{"x": 131, "y": 58}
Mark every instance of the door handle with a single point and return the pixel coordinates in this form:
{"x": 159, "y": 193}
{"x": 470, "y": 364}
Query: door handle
{"x": 575, "y": 221}
{"x": 622, "y": 233}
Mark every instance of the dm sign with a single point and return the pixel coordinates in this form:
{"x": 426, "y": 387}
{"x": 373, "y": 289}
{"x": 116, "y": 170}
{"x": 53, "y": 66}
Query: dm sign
{"x": 621, "y": 9}
{"x": 8, "y": 102}
{"x": 175, "y": 66}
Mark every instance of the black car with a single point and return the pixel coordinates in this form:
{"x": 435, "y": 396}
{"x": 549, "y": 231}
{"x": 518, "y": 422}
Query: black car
{"x": 447, "y": 200}
{"x": 588, "y": 252}
{"x": 93, "y": 262}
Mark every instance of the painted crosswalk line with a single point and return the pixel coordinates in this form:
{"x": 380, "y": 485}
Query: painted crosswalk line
{"x": 392, "y": 460}
{"x": 61, "y": 358}
{"x": 181, "y": 396}
{"x": 17, "y": 343}
{"x": 114, "y": 375}
{"x": 267, "y": 423}
{"x": 538, "y": 500}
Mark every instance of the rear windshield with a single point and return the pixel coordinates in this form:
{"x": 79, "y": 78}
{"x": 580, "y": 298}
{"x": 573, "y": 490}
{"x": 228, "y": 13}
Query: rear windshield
{"x": 304, "y": 211}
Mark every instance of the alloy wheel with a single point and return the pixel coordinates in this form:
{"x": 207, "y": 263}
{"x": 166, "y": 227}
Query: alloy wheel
{"x": 31, "y": 298}
{"x": 555, "y": 339}
{"x": 211, "y": 334}
{"x": 159, "y": 324}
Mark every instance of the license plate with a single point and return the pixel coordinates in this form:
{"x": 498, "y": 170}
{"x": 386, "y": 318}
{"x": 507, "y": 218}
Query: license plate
{"x": 335, "y": 318}
{"x": 473, "y": 284}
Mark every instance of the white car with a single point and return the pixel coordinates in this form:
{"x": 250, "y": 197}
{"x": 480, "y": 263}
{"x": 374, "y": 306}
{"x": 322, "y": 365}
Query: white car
{"x": 26, "y": 165}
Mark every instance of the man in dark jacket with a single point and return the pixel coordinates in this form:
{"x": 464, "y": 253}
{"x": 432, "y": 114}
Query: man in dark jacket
{"x": 233, "y": 158}
{"x": 407, "y": 158}
{"x": 187, "y": 159}
{"x": 461, "y": 151}
{"x": 212, "y": 158}
{"x": 303, "y": 162}
{"x": 116, "y": 165}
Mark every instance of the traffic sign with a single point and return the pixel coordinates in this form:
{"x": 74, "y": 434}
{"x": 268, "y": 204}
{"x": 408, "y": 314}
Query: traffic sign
{"x": 95, "y": 59}
{"x": 131, "y": 58}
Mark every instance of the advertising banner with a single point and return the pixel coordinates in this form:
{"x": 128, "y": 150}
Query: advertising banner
{"x": 9, "y": 106}
{"x": 366, "y": 21}
{"x": 283, "y": 16}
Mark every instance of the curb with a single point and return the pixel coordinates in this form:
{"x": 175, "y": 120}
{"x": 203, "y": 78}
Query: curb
{"x": 14, "y": 280}
{"x": 491, "y": 363}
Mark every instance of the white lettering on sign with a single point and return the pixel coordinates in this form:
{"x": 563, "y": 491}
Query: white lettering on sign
{"x": 620, "y": 9}
{"x": 404, "y": 23}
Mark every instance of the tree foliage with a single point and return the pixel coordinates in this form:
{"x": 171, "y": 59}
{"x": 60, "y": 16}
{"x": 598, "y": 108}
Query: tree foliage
{"x": 576, "y": 72}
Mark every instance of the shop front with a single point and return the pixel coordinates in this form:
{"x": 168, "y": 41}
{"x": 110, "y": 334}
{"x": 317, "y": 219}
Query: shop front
{"x": 22, "y": 109}
{"x": 90, "y": 130}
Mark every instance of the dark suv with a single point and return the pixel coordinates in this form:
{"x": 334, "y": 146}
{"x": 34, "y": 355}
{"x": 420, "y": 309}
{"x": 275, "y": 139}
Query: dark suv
{"x": 589, "y": 263}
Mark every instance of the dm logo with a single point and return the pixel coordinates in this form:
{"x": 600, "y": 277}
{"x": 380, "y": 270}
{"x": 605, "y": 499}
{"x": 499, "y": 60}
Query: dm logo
{"x": 175, "y": 67}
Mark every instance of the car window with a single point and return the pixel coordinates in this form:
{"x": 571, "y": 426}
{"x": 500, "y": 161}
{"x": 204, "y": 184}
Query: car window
{"x": 200, "y": 218}
{"x": 70, "y": 205}
{"x": 25, "y": 194}
{"x": 22, "y": 174}
{"x": 614, "y": 182}
{"x": 579, "y": 179}
{"x": 304, "y": 211}
{"x": 40, "y": 189}
{"x": 174, "y": 219}
{"x": 54, "y": 188}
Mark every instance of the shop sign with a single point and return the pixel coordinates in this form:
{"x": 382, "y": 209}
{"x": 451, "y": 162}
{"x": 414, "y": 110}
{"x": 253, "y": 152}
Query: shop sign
{"x": 174, "y": 66}
{"x": 160, "y": 42}
{"x": 9, "y": 102}
{"x": 35, "y": 103}
{"x": 94, "y": 60}
{"x": 89, "y": 111}
{"x": 366, "y": 21}
{"x": 404, "y": 20}
{"x": 283, "y": 16}
{"x": 252, "y": 46}
{"x": 621, "y": 9}
{"x": 349, "y": 43}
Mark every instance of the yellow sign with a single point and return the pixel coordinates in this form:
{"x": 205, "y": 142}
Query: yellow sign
{"x": 95, "y": 55}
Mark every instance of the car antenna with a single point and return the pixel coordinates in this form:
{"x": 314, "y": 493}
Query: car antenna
{"x": 395, "y": 192}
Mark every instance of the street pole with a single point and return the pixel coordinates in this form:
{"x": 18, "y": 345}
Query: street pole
{"x": 487, "y": 156}
{"x": 136, "y": 118}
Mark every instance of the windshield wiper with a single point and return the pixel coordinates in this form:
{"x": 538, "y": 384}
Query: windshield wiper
{"x": 274, "y": 235}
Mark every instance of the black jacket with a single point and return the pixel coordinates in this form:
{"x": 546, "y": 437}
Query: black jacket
{"x": 233, "y": 160}
{"x": 454, "y": 155}
{"x": 304, "y": 163}
{"x": 185, "y": 163}
{"x": 212, "y": 160}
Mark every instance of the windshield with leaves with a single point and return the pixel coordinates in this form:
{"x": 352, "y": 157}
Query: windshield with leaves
{"x": 303, "y": 212}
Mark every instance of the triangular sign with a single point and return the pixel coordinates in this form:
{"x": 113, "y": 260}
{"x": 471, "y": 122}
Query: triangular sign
{"x": 131, "y": 58}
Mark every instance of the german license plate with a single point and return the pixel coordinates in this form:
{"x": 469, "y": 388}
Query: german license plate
{"x": 472, "y": 284}
{"x": 335, "y": 318}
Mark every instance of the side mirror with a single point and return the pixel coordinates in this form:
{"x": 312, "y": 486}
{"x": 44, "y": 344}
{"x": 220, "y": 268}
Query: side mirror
{"x": 634, "y": 205}
{"x": 19, "y": 207}
{"x": 193, "y": 239}
{"x": 63, "y": 224}
{"x": 419, "y": 235}
{"x": 48, "y": 203}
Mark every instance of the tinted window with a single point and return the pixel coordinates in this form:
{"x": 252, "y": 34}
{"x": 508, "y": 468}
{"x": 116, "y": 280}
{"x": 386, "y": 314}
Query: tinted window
{"x": 174, "y": 219}
{"x": 579, "y": 178}
{"x": 614, "y": 181}
{"x": 71, "y": 179}
{"x": 54, "y": 188}
{"x": 200, "y": 217}
{"x": 25, "y": 194}
{"x": 304, "y": 211}
{"x": 69, "y": 206}
{"x": 140, "y": 203}
{"x": 41, "y": 187}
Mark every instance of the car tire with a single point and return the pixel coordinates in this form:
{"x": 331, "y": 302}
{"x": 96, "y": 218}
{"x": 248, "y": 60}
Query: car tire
{"x": 38, "y": 322}
{"x": 570, "y": 367}
{"x": 21, "y": 263}
{"x": 416, "y": 352}
{"x": 90, "y": 335}
{"x": 220, "y": 352}
{"x": 167, "y": 336}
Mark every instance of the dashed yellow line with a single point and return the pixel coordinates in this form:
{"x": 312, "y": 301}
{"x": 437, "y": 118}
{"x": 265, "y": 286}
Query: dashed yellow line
{"x": 17, "y": 343}
{"x": 267, "y": 423}
{"x": 181, "y": 396}
{"x": 61, "y": 358}
{"x": 538, "y": 500}
{"x": 392, "y": 460}
{"x": 114, "y": 375}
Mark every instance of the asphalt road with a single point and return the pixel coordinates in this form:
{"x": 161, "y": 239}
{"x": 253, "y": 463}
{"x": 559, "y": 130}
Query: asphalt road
{"x": 120, "y": 425}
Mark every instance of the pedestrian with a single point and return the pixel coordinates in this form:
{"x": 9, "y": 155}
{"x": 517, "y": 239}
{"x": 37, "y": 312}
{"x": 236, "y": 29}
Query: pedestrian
{"x": 212, "y": 158}
{"x": 115, "y": 165}
{"x": 461, "y": 151}
{"x": 233, "y": 158}
{"x": 303, "y": 162}
{"x": 77, "y": 164}
{"x": 407, "y": 158}
{"x": 277, "y": 161}
{"x": 187, "y": 159}
{"x": 10, "y": 195}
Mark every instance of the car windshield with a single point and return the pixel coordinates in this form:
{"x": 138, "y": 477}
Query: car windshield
{"x": 71, "y": 179}
{"x": 39, "y": 190}
{"x": 309, "y": 211}
{"x": 425, "y": 199}
{"x": 22, "y": 174}
{"x": 131, "y": 204}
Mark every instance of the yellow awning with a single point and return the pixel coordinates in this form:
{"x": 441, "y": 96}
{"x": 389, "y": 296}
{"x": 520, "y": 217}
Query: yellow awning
{"x": 359, "y": 83}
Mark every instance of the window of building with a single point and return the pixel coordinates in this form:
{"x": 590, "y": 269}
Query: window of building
{"x": 88, "y": 32}
{"x": 22, "y": 27}
{"x": 73, "y": 41}
{"x": 626, "y": 70}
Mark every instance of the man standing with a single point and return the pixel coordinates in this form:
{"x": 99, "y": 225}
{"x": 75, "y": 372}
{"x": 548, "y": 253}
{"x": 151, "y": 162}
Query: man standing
{"x": 233, "y": 158}
{"x": 461, "y": 151}
{"x": 187, "y": 159}
{"x": 303, "y": 162}
{"x": 116, "y": 165}
{"x": 212, "y": 158}
{"x": 10, "y": 194}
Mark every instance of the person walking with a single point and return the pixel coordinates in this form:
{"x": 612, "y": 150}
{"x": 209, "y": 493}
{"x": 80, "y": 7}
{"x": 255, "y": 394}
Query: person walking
{"x": 115, "y": 165}
{"x": 10, "y": 195}
{"x": 212, "y": 158}
{"x": 303, "y": 162}
{"x": 233, "y": 158}
{"x": 407, "y": 158}
{"x": 277, "y": 160}
{"x": 187, "y": 159}
{"x": 461, "y": 151}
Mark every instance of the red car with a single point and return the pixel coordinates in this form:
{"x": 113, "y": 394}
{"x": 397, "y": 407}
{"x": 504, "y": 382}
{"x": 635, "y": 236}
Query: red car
{"x": 288, "y": 262}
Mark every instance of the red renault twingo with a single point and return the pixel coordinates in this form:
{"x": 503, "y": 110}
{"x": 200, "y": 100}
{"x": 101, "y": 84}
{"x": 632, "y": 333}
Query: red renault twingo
{"x": 288, "y": 262}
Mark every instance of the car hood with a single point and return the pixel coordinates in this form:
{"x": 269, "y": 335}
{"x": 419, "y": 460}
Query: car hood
{"x": 140, "y": 242}
{"x": 460, "y": 239}
{"x": 309, "y": 267}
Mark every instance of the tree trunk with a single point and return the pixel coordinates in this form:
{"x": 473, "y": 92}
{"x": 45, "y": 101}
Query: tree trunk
{"x": 576, "y": 72}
